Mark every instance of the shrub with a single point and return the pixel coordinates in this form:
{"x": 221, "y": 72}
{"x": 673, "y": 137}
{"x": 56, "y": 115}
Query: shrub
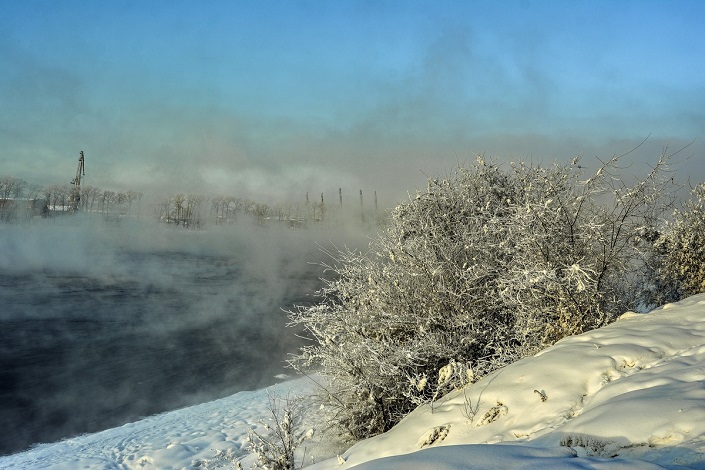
{"x": 682, "y": 249}
{"x": 275, "y": 450}
{"x": 484, "y": 267}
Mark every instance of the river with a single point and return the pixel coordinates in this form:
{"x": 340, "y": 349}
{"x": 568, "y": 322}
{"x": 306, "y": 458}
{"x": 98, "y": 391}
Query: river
{"x": 102, "y": 325}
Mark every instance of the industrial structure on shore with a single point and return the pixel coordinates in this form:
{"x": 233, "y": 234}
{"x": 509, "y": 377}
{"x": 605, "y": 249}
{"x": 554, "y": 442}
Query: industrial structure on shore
{"x": 75, "y": 197}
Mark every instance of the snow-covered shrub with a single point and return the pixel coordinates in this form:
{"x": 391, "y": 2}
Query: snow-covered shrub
{"x": 275, "y": 450}
{"x": 578, "y": 258}
{"x": 682, "y": 248}
{"x": 486, "y": 266}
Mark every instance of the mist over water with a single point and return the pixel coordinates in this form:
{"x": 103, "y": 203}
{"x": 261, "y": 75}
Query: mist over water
{"x": 101, "y": 324}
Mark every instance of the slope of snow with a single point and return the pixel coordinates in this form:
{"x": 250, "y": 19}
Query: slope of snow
{"x": 210, "y": 435}
{"x": 634, "y": 390}
{"x": 630, "y": 395}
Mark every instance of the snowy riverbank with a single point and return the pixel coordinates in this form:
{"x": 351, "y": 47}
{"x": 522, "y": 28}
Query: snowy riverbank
{"x": 630, "y": 395}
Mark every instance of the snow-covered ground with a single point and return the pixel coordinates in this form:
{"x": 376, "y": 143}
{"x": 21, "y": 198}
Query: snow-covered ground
{"x": 191, "y": 437}
{"x": 630, "y": 395}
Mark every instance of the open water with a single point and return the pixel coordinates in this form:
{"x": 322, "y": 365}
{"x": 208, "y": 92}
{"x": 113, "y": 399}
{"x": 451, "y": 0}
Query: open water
{"x": 136, "y": 330}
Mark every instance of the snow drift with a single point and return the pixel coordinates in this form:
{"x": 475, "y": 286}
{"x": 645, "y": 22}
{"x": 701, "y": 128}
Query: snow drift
{"x": 632, "y": 390}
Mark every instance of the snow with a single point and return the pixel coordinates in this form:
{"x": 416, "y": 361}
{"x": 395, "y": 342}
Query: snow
{"x": 629, "y": 395}
{"x": 190, "y": 437}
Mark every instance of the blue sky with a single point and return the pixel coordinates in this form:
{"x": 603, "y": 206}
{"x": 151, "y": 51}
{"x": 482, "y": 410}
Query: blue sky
{"x": 283, "y": 97}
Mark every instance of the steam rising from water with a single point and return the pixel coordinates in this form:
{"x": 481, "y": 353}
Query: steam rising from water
{"x": 105, "y": 323}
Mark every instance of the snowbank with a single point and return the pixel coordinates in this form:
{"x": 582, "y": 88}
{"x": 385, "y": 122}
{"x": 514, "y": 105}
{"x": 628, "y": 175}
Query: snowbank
{"x": 634, "y": 390}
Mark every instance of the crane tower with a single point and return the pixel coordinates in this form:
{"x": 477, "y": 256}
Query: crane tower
{"x": 75, "y": 197}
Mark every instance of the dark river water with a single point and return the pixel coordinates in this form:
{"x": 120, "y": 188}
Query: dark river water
{"x": 130, "y": 329}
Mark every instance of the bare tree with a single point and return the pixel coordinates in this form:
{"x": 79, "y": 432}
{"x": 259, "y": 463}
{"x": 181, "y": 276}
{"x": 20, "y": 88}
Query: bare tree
{"x": 192, "y": 215}
{"x": 57, "y": 197}
{"x": 108, "y": 201}
{"x": 177, "y": 202}
{"x": 11, "y": 187}
{"x": 34, "y": 191}
{"x": 89, "y": 197}
{"x": 164, "y": 211}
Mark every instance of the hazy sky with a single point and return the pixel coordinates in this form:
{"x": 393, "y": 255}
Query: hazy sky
{"x": 293, "y": 96}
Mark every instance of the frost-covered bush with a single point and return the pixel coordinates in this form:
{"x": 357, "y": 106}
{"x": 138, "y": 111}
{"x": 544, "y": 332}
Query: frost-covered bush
{"x": 275, "y": 450}
{"x": 578, "y": 248}
{"x": 486, "y": 266}
{"x": 682, "y": 247}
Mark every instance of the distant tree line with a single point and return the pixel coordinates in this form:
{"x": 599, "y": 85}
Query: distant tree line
{"x": 20, "y": 199}
{"x": 195, "y": 210}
